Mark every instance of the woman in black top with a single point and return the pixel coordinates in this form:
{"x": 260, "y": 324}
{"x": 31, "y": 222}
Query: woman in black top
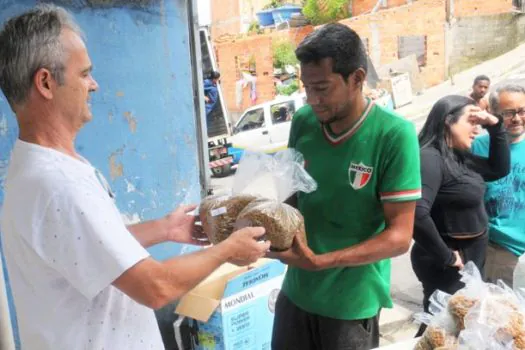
{"x": 451, "y": 223}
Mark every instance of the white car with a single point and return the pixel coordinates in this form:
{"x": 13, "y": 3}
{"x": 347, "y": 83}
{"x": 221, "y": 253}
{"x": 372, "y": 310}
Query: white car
{"x": 265, "y": 127}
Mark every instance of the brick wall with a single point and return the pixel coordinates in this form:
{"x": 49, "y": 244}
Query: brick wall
{"x": 362, "y": 6}
{"x": 260, "y": 46}
{"x": 468, "y": 8}
{"x": 382, "y": 30}
{"x": 230, "y": 53}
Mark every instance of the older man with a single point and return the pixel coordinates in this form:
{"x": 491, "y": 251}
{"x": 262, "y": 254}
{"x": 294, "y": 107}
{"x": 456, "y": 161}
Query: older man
{"x": 505, "y": 198}
{"x": 80, "y": 278}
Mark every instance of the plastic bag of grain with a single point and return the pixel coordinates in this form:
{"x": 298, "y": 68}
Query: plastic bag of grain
{"x": 281, "y": 221}
{"x": 218, "y": 215}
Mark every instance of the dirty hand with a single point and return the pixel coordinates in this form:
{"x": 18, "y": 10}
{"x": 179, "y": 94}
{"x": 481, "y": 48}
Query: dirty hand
{"x": 180, "y": 227}
{"x": 243, "y": 246}
{"x": 483, "y": 118}
{"x": 299, "y": 255}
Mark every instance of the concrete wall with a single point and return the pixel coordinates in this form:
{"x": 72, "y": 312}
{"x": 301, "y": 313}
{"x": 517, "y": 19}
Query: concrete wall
{"x": 471, "y": 8}
{"x": 477, "y": 39}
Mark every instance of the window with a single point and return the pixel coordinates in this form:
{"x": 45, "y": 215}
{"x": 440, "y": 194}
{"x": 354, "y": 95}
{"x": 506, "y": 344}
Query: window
{"x": 251, "y": 120}
{"x": 414, "y": 44}
{"x": 282, "y": 112}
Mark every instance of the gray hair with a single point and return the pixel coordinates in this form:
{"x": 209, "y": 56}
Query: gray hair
{"x": 495, "y": 96}
{"x": 29, "y": 42}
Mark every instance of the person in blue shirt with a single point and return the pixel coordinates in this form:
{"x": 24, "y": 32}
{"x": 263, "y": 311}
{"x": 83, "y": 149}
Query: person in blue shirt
{"x": 505, "y": 198}
{"x": 211, "y": 92}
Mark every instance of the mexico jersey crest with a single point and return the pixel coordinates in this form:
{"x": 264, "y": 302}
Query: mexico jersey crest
{"x": 359, "y": 175}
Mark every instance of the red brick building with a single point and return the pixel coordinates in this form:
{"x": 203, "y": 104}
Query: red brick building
{"x": 399, "y": 28}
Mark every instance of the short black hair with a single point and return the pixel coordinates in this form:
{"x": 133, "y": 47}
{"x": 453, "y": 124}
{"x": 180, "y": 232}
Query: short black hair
{"x": 481, "y": 78}
{"x": 215, "y": 75}
{"x": 338, "y": 42}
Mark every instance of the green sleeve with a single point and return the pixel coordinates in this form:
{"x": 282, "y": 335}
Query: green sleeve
{"x": 292, "y": 139}
{"x": 400, "y": 171}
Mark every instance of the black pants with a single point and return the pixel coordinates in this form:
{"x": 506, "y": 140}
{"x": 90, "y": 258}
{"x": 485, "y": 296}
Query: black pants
{"x": 296, "y": 329}
{"x": 434, "y": 275}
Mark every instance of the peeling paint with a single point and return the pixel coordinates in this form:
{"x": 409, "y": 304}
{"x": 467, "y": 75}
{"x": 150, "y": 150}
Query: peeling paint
{"x": 129, "y": 186}
{"x": 116, "y": 169}
{"x": 120, "y": 93}
{"x": 3, "y": 126}
{"x": 132, "y": 121}
{"x": 110, "y": 117}
{"x": 130, "y": 218}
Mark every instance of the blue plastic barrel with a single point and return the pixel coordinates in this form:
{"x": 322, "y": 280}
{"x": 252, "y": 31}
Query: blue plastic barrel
{"x": 265, "y": 18}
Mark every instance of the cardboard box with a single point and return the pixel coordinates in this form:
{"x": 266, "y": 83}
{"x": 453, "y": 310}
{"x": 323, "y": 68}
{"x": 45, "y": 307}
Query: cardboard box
{"x": 234, "y": 308}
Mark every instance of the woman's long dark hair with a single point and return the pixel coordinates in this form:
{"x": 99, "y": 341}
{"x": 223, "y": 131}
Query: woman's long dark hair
{"x": 436, "y": 131}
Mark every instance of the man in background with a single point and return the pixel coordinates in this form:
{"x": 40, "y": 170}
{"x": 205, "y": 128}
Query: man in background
{"x": 480, "y": 89}
{"x": 505, "y": 198}
{"x": 211, "y": 92}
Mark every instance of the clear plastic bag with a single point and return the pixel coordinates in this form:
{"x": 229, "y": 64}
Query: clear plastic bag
{"x": 276, "y": 176}
{"x": 285, "y": 171}
{"x": 281, "y": 221}
{"x": 474, "y": 291}
{"x": 266, "y": 181}
{"x": 442, "y": 329}
{"x": 218, "y": 215}
{"x": 489, "y": 315}
{"x": 499, "y": 316}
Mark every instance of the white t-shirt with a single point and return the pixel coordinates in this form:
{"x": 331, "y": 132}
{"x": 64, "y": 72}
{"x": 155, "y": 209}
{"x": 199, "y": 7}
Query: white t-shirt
{"x": 65, "y": 243}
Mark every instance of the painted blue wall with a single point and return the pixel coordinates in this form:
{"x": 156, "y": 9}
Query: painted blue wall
{"x": 143, "y": 134}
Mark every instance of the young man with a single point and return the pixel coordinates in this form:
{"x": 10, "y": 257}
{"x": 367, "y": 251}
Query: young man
{"x": 365, "y": 160}
{"x": 479, "y": 91}
{"x": 505, "y": 198}
{"x": 211, "y": 92}
{"x": 80, "y": 278}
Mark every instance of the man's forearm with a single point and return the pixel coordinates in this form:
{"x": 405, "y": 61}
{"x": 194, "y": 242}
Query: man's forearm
{"x": 157, "y": 284}
{"x": 386, "y": 245}
{"x": 149, "y": 233}
{"x": 185, "y": 272}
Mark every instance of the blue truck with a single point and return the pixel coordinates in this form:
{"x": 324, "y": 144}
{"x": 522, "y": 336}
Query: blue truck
{"x": 149, "y": 133}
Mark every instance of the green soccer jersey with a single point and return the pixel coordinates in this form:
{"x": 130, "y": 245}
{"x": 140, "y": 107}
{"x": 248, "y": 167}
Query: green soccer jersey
{"x": 375, "y": 161}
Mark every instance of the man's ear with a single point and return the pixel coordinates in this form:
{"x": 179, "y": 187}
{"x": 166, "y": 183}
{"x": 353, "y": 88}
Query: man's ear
{"x": 44, "y": 83}
{"x": 359, "y": 78}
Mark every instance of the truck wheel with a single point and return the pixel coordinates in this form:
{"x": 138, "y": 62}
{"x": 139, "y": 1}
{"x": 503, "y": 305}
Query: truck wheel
{"x": 222, "y": 171}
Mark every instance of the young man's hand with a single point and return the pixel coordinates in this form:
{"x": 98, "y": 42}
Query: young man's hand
{"x": 299, "y": 255}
